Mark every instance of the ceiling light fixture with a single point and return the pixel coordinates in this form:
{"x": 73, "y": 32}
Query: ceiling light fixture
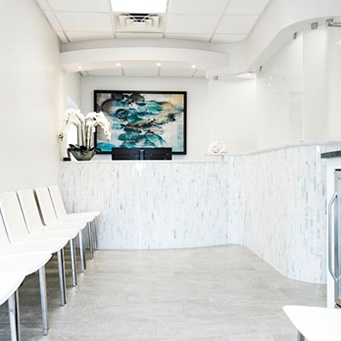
{"x": 193, "y": 66}
{"x": 138, "y": 6}
{"x": 118, "y": 64}
{"x": 158, "y": 64}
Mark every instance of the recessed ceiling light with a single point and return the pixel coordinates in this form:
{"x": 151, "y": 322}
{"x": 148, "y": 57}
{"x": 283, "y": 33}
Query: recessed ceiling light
{"x": 158, "y": 64}
{"x": 193, "y": 66}
{"x": 139, "y": 6}
{"x": 118, "y": 64}
{"x": 80, "y": 67}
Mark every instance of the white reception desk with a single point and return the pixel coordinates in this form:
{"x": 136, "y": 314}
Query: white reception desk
{"x": 271, "y": 201}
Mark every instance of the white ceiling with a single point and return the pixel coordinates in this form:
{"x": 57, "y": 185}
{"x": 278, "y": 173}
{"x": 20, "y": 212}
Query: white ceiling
{"x": 210, "y": 21}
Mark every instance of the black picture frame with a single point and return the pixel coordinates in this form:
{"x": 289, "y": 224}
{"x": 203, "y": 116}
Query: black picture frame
{"x": 143, "y": 119}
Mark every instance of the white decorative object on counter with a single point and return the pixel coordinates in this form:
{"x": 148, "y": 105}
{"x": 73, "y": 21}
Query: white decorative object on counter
{"x": 216, "y": 147}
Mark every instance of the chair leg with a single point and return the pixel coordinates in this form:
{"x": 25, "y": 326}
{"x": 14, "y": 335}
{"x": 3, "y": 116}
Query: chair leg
{"x": 14, "y": 316}
{"x": 43, "y": 298}
{"x": 300, "y": 337}
{"x": 95, "y": 233}
{"x": 73, "y": 262}
{"x": 91, "y": 245}
{"x": 62, "y": 280}
{"x": 81, "y": 251}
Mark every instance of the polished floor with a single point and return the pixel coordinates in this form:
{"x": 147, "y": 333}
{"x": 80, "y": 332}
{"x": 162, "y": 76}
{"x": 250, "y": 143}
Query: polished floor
{"x": 222, "y": 293}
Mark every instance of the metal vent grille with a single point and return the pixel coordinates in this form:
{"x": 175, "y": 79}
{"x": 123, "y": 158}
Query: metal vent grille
{"x": 139, "y": 17}
{"x": 139, "y": 22}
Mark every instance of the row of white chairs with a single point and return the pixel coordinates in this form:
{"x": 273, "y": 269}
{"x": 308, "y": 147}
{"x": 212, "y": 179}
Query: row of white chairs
{"x": 34, "y": 224}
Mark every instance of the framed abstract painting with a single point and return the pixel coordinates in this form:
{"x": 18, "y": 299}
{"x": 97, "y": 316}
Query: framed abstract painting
{"x": 142, "y": 119}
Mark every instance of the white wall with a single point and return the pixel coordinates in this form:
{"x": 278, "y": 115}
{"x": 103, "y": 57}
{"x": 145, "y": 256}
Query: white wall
{"x": 232, "y": 106}
{"x": 294, "y": 98}
{"x": 280, "y": 97}
{"x": 298, "y": 91}
{"x": 334, "y": 85}
{"x": 32, "y": 95}
{"x": 315, "y": 56}
{"x": 215, "y": 109}
{"x": 198, "y": 114}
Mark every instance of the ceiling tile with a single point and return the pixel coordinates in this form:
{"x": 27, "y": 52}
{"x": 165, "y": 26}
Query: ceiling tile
{"x": 228, "y": 38}
{"x": 246, "y": 6}
{"x": 192, "y": 23}
{"x": 203, "y": 7}
{"x": 87, "y": 22}
{"x": 80, "y": 5}
{"x": 217, "y": 21}
{"x": 237, "y": 23}
{"x": 75, "y": 36}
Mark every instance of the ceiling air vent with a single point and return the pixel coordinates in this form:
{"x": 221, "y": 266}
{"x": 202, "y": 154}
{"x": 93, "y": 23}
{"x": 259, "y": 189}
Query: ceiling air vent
{"x": 139, "y": 22}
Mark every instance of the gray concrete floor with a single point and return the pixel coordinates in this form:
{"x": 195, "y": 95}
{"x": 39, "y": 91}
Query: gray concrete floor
{"x": 222, "y": 293}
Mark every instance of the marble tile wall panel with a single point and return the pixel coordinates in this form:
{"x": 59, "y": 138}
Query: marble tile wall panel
{"x": 151, "y": 204}
{"x": 283, "y": 192}
{"x": 271, "y": 201}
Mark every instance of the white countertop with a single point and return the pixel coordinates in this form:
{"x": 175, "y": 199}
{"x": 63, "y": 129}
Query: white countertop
{"x": 316, "y": 324}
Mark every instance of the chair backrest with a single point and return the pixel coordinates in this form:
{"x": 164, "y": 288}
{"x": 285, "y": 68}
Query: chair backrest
{"x": 13, "y": 217}
{"x": 30, "y": 210}
{"x": 58, "y": 201}
{"x": 4, "y": 241}
{"x": 45, "y": 203}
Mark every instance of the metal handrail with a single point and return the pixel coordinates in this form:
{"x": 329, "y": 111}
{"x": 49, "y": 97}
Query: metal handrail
{"x": 330, "y": 237}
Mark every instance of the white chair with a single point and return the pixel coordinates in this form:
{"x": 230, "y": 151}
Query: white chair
{"x": 9, "y": 284}
{"x": 28, "y": 264}
{"x": 17, "y": 233}
{"x": 34, "y": 224}
{"x": 314, "y": 323}
{"x": 59, "y": 205}
{"x": 49, "y": 216}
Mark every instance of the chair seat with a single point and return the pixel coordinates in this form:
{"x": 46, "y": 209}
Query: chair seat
{"x": 28, "y": 247}
{"x": 314, "y": 323}
{"x": 56, "y": 232}
{"x": 53, "y": 244}
{"x": 25, "y": 263}
{"x": 10, "y": 282}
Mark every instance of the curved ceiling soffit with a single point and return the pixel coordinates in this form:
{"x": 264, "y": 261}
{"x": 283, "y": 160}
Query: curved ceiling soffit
{"x": 104, "y": 58}
{"x": 268, "y": 36}
{"x": 280, "y": 21}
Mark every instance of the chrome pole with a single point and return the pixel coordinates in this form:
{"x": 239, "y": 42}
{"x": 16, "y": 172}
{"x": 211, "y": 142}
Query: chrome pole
{"x": 14, "y": 317}
{"x": 62, "y": 280}
{"x": 73, "y": 262}
{"x": 43, "y": 299}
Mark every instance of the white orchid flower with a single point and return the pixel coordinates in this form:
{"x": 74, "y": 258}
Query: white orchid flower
{"x": 86, "y": 126}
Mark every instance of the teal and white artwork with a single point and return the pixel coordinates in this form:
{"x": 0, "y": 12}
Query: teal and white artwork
{"x": 141, "y": 119}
